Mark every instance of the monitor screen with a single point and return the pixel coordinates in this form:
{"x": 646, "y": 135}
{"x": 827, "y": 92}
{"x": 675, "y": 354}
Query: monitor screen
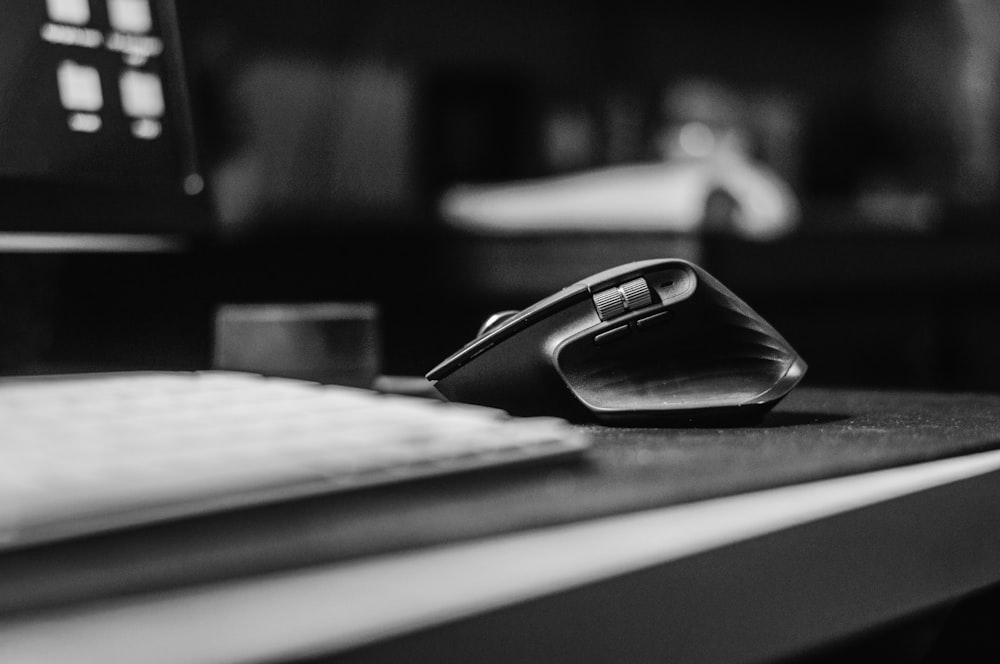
{"x": 95, "y": 127}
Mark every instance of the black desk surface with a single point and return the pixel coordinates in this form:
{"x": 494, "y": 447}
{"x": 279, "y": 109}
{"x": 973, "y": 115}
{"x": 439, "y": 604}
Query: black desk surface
{"x": 813, "y": 434}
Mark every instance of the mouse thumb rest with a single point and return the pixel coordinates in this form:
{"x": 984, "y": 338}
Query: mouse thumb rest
{"x": 653, "y": 342}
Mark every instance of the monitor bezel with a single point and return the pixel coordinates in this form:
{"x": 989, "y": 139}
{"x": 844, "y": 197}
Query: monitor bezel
{"x": 39, "y": 214}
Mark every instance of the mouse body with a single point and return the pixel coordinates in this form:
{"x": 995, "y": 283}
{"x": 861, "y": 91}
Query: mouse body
{"x": 654, "y": 342}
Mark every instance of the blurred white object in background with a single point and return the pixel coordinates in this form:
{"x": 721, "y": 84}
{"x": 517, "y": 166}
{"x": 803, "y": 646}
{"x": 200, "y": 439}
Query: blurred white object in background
{"x": 654, "y": 197}
{"x": 705, "y": 150}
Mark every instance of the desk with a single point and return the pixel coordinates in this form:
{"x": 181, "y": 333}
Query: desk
{"x": 750, "y": 576}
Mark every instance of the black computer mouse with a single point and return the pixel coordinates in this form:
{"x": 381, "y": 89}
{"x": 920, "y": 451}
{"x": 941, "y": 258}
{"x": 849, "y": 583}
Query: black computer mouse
{"x": 655, "y": 342}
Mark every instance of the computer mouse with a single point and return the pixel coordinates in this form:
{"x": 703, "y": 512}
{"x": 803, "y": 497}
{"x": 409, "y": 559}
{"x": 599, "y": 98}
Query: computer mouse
{"x": 650, "y": 343}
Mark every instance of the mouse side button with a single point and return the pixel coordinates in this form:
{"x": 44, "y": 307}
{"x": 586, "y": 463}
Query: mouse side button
{"x": 658, "y": 318}
{"x": 614, "y": 334}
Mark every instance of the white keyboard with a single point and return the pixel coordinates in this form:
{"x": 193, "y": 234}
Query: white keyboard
{"x": 84, "y": 454}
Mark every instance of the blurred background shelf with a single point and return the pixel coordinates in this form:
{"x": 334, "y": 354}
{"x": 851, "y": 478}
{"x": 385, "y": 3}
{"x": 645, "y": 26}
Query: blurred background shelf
{"x": 917, "y": 311}
{"x": 329, "y": 131}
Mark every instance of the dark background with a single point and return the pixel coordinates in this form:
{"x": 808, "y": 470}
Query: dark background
{"x": 328, "y": 130}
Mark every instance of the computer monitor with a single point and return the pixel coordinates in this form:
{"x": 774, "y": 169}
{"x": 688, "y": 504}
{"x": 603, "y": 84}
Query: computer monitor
{"x": 96, "y": 139}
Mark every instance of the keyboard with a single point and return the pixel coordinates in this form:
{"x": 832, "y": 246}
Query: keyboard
{"x": 85, "y": 454}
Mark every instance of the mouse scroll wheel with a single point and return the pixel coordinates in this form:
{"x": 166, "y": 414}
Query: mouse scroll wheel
{"x": 628, "y": 296}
